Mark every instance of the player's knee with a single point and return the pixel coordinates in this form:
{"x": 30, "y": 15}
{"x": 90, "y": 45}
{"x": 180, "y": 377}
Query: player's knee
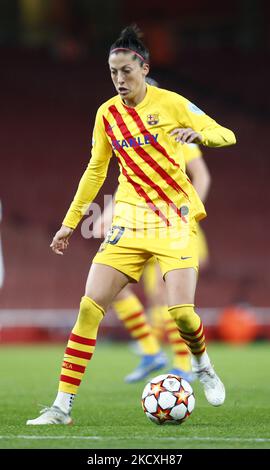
{"x": 99, "y": 296}
{"x": 91, "y": 313}
{"x": 182, "y": 314}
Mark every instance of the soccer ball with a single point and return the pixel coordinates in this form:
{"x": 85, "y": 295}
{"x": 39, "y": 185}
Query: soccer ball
{"x": 168, "y": 399}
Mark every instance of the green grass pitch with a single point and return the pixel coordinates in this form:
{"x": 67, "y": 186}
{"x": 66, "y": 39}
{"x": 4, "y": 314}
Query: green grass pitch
{"x": 107, "y": 412}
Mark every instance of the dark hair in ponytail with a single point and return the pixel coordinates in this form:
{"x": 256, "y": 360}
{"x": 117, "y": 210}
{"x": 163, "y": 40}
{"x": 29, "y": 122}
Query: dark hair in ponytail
{"x": 129, "y": 41}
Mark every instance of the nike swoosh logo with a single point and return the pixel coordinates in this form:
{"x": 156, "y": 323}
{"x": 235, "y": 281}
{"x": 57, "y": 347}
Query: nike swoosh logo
{"x": 186, "y": 257}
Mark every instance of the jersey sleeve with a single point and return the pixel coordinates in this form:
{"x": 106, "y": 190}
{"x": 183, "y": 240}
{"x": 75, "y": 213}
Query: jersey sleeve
{"x": 93, "y": 177}
{"x": 213, "y": 134}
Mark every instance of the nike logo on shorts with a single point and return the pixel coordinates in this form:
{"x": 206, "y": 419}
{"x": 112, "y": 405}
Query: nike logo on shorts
{"x": 186, "y": 257}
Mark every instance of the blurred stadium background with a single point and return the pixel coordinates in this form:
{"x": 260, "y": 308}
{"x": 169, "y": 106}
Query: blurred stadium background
{"x": 54, "y": 75}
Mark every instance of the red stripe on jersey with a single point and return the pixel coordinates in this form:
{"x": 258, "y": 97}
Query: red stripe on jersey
{"x": 82, "y": 340}
{"x": 78, "y": 353}
{"x": 143, "y": 194}
{"x": 155, "y": 144}
{"x": 72, "y": 366}
{"x": 138, "y": 171}
{"x": 133, "y": 113}
{"x": 142, "y": 153}
{"x": 70, "y": 380}
{"x": 136, "y": 186}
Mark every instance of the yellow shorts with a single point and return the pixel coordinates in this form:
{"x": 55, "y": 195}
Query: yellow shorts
{"x": 151, "y": 272}
{"x": 128, "y": 250}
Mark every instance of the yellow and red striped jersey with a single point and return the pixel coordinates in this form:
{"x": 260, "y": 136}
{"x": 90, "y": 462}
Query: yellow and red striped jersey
{"x": 153, "y": 188}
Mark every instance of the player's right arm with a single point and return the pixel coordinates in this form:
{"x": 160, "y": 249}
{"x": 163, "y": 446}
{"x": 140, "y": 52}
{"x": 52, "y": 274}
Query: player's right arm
{"x": 90, "y": 183}
{"x": 200, "y": 177}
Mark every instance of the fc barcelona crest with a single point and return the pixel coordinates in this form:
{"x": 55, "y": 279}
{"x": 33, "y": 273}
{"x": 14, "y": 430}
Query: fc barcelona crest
{"x": 152, "y": 119}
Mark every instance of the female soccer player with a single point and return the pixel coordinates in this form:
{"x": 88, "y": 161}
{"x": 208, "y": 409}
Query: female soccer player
{"x": 155, "y": 214}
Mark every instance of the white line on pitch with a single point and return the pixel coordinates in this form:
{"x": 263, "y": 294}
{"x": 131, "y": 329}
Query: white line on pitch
{"x": 194, "y": 438}
{"x": 51, "y": 437}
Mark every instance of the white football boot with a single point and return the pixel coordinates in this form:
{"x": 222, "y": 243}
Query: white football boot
{"x": 52, "y": 415}
{"x": 214, "y": 389}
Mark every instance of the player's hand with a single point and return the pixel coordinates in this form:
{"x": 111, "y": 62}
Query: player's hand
{"x": 60, "y": 240}
{"x": 186, "y": 136}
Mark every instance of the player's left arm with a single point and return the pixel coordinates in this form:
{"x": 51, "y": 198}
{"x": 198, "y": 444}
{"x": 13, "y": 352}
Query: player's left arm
{"x": 198, "y": 127}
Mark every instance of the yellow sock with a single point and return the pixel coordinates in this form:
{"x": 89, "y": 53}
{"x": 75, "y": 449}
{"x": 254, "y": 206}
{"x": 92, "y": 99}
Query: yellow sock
{"x": 130, "y": 311}
{"x": 181, "y": 356}
{"x": 81, "y": 345}
{"x": 190, "y": 327}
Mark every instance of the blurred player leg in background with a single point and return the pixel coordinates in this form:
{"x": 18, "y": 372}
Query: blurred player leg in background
{"x": 130, "y": 311}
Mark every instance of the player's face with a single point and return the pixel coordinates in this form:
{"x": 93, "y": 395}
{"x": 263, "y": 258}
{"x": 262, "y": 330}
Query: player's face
{"x": 128, "y": 76}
